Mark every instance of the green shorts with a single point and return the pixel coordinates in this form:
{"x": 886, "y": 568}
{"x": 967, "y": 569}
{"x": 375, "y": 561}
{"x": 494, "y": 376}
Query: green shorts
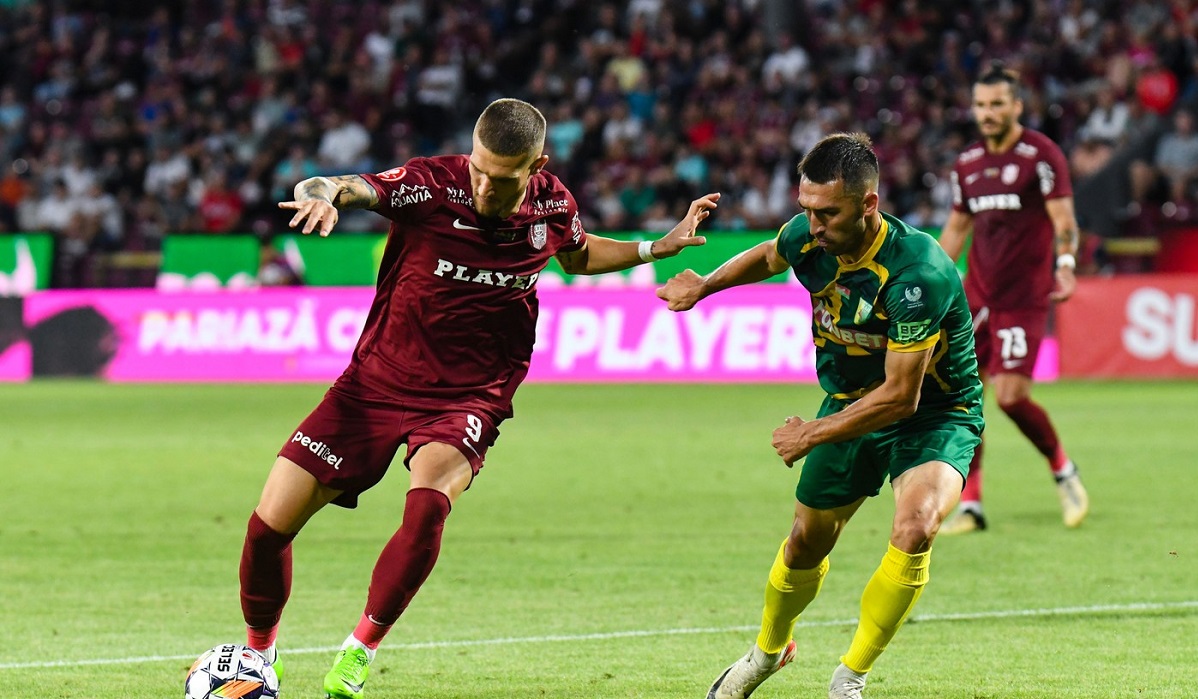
{"x": 840, "y": 473}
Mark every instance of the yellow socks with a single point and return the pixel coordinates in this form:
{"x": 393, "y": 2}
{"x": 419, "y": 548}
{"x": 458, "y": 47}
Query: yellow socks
{"x": 787, "y": 594}
{"x": 889, "y": 597}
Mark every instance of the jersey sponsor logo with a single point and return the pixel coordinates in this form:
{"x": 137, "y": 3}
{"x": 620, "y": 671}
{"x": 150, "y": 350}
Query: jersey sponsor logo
{"x": 457, "y": 223}
{"x": 576, "y": 228}
{"x": 993, "y": 202}
{"x": 393, "y": 175}
{"x": 1048, "y": 177}
{"x": 406, "y": 194}
{"x": 475, "y": 275}
{"x": 912, "y": 331}
{"x": 458, "y": 196}
{"x": 545, "y": 206}
{"x": 824, "y": 319}
{"x": 971, "y": 155}
{"x": 538, "y": 233}
{"x": 320, "y": 449}
{"x": 1026, "y": 150}
{"x": 864, "y": 310}
{"x": 1010, "y": 173}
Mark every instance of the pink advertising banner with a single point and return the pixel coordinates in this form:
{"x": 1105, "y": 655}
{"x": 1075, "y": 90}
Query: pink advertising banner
{"x": 749, "y": 334}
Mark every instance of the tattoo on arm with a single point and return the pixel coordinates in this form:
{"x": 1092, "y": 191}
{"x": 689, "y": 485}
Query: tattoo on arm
{"x": 353, "y": 192}
{"x": 315, "y": 188}
{"x": 1066, "y": 241}
{"x": 342, "y": 191}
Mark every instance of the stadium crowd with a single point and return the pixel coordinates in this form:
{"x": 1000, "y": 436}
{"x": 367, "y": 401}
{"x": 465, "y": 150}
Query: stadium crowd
{"x": 123, "y": 124}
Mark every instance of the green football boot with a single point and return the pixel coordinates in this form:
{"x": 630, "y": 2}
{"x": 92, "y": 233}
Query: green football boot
{"x": 348, "y": 676}
{"x": 272, "y": 657}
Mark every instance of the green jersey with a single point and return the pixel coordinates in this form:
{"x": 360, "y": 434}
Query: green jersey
{"x": 903, "y": 295}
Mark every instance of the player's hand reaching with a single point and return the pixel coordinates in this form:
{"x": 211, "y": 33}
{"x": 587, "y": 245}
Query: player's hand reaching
{"x": 319, "y": 215}
{"x": 1066, "y": 284}
{"x": 683, "y": 234}
{"x": 790, "y": 440}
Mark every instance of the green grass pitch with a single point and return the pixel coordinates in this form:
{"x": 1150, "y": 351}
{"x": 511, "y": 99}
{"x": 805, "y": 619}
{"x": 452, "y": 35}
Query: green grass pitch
{"x": 616, "y": 545}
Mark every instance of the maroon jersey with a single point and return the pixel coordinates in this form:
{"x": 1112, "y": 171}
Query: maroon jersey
{"x": 454, "y": 315}
{"x": 1011, "y": 258}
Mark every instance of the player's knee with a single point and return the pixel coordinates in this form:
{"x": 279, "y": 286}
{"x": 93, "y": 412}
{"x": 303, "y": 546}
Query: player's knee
{"x": 913, "y": 531}
{"x": 806, "y": 550}
{"x": 1011, "y": 400}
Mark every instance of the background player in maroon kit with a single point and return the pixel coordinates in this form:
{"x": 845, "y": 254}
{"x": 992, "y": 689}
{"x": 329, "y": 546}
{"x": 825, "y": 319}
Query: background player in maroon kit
{"x": 1012, "y": 191}
{"x": 446, "y": 343}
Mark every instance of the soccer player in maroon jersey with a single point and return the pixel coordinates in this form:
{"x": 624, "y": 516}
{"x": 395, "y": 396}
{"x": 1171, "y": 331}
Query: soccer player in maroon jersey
{"x": 446, "y": 343}
{"x": 1011, "y": 190}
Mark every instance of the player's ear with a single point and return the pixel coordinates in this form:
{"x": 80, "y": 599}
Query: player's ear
{"x": 538, "y": 164}
{"x": 869, "y": 203}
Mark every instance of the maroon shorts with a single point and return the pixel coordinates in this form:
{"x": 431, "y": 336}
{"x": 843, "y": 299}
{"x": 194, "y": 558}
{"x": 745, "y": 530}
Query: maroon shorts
{"x": 1008, "y": 341}
{"x": 349, "y": 444}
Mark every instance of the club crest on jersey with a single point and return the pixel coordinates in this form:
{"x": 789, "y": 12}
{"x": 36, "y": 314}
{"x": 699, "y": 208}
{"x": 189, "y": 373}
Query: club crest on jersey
{"x": 538, "y": 233}
{"x": 394, "y": 174}
{"x": 1010, "y": 173}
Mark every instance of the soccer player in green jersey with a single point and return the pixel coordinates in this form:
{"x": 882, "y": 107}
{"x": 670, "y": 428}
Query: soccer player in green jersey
{"x": 894, "y": 352}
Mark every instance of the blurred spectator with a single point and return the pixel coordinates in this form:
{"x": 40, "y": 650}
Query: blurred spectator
{"x": 636, "y": 196}
{"x": 295, "y": 167}
{"x": 697, "y": 95}
{"x": 101, "y": 216}
{"x": 438, "y": 97}
{"x": 274, "y": 269}
{"x": 1107, "y": 121}
{"x": 788, "y": 64}
{"x": 344, "y": 144}
{"x": 1173, "y": 170}
{"x": 56, "y": 210}
{"x": 220, "y": 208}
{"x": 1156, "y": 85}
{"x": 14, "y": 189}
{"x": 168, "y": 167}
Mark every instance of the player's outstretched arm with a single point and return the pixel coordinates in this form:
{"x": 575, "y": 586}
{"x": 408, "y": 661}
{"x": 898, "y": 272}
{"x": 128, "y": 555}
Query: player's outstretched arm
{"x": 606, "y": 255}
{"x": 758, "y": 263}
{"x": 317, "y": 200}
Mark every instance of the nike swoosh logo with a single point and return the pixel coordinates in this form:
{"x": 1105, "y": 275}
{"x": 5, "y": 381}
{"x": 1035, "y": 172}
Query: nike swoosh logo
{"x": 355, "y": 688}
{"x": 457, "y": 223}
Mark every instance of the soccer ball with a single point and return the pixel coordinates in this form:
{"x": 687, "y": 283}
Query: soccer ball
{"x": 231, "y": 671}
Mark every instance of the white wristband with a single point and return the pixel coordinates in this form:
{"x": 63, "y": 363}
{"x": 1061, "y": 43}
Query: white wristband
{"x": 645, "y": 250}
{"x": 1066, "y": 260}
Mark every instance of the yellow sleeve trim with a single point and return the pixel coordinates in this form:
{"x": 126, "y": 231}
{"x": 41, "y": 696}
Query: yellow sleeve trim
{"x": 920, "y": 346}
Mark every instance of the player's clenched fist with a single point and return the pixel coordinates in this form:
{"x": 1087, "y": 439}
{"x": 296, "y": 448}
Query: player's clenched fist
{"x": 682, "y": 291}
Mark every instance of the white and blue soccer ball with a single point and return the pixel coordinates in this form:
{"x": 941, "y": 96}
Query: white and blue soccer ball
{"x": 231, "y": 671}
